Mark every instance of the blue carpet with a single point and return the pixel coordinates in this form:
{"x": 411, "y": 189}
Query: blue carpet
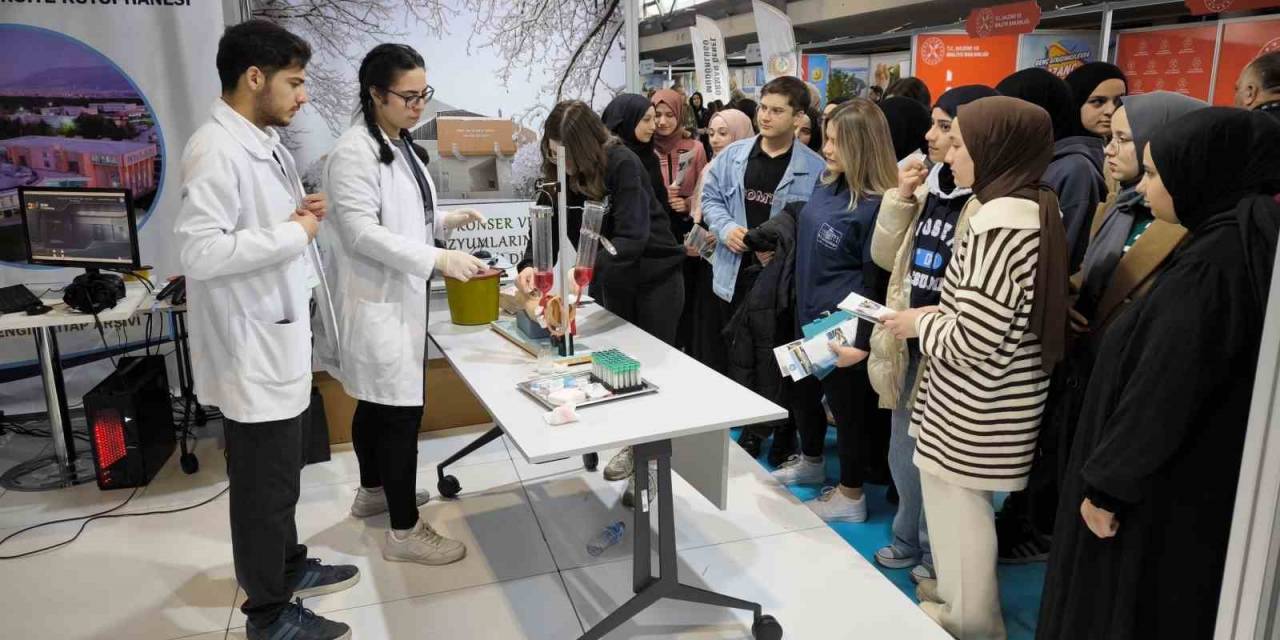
{"x": 1020, "y": 585}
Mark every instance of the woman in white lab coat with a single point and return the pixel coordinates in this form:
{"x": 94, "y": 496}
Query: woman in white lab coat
{"x": 381, "y": 252}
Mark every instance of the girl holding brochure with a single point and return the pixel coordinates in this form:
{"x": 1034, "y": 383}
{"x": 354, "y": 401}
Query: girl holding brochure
{"x": 915, "y": 233}
{"x": 833, "y": 258}
{"x": 999, "y": 328}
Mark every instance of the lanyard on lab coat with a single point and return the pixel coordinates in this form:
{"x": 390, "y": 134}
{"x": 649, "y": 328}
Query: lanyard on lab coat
{"x": 289, "y": 182}
{"x": 428, "y": 205}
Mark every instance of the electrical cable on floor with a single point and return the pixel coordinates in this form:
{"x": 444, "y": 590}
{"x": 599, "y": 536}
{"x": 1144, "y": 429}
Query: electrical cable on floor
{"x": 101, "y": 515}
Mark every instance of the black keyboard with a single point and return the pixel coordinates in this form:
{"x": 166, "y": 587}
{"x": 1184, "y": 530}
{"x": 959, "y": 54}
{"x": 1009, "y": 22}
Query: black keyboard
{"x": 17, "y": 298}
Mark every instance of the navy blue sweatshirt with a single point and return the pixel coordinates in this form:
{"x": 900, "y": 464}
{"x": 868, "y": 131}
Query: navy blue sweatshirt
{"x": 833, "y": 255}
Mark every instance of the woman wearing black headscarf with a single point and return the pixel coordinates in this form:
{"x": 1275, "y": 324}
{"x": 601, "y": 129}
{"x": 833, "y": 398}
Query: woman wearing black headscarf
{"x": 908, "y": 124}
{"x": 1146, "y": 510}
{"x": 1097, "y": 88}
{"x": 1124, "y": 257}
{"x": 1075, "y": 173}
{"x": 631, "y": 118}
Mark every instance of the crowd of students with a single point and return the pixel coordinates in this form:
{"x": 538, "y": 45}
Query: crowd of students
{"x": 1077, "y": 281}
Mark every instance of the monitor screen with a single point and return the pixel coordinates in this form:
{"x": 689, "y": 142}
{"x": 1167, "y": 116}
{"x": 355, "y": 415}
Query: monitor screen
{"x": 75, "y": 227}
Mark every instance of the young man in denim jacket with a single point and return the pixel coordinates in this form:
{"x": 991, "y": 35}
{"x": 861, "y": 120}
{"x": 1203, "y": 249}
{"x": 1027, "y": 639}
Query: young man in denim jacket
{"x": 749, "y": 183}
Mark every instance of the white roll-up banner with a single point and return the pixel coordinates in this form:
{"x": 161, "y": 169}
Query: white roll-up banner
{"x": 710, "y": 61}
{"x": 777, "y": 41}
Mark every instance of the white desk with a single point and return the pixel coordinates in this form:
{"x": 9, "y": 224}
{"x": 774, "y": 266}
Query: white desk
{"x": 694, "y": 404}
{"x": 691, "y": 413}
{"x": 42, "y": 328}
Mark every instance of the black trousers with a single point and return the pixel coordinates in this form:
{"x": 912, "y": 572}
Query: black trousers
{"x": 654, "y": 307}
{"x": 853, "y": 405}
{"x": 264, "y": 463}
{"x": 386, "y": 442}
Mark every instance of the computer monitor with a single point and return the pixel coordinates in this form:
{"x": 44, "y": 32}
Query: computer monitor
{"x": 79, "y": 227}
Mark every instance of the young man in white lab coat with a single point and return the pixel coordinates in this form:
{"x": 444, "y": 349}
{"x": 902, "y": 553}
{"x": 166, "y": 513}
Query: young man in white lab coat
{"x": 380, "y": 252}
{"x": 244, "y": 233}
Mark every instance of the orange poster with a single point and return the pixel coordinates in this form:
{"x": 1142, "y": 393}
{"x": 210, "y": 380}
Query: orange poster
{"x": 1242, "y": 42}
{"x": 1179, "y": 59}
{"x": 947, "y": 60}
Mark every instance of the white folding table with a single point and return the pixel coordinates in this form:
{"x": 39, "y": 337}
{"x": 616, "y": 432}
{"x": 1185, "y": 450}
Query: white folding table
{"x": 683, "y": 426}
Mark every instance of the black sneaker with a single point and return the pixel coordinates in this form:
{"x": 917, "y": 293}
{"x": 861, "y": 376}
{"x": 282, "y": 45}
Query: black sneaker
{"x": 317, "y": 579}
{"x": 298, "y": 623}
{"x": 750, "y": 442}
{"x": 1020, "y": 543}
{"x": 785, "y": 444}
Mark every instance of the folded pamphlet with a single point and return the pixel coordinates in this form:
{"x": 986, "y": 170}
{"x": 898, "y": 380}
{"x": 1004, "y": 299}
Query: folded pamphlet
{"x": 812, "y": 355}
{"x": 865, "y": 308}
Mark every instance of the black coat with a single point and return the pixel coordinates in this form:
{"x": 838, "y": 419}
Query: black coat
{"x": 636, "y": 223}
{"x": 1159, "y": 444}
{"x": 765, "y": 317}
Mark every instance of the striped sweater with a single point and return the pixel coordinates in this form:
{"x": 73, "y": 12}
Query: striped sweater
{"x": 978, "y": 407}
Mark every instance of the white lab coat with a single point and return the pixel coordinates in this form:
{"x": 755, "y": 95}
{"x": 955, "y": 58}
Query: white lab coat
{"x": 380, "y": 254}
{"x": 248, "y": 270}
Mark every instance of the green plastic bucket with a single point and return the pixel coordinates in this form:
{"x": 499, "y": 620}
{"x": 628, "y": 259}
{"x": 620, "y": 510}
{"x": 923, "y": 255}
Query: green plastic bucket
{"x": 474, "y": 302}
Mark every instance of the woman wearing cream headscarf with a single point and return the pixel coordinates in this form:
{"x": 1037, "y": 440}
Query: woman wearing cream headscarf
{"x": 704, "y": 342}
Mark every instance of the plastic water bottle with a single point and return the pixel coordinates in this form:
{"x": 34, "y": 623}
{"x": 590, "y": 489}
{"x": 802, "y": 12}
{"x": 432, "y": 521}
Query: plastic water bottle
{"x": 607, "y": 537}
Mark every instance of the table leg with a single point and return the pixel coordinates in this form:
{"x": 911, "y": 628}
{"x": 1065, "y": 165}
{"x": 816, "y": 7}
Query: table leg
{"x": 649, "y": 588}
{"x": 55, "y": 396}
{"x": 448, "y": 486}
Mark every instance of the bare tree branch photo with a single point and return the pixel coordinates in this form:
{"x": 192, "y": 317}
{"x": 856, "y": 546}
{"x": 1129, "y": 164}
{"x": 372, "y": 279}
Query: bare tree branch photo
{"x": 570, "y": 40}
{"x": 336, "y": 29}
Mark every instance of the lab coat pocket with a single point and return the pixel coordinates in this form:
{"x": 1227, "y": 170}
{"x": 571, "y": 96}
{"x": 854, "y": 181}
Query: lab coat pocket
{"x": 273, "y": 353}
{"x": 376, "y": 335}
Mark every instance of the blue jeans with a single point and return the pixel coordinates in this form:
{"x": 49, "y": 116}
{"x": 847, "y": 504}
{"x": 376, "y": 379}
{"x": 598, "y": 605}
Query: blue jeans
{"x": 910, "y": 533}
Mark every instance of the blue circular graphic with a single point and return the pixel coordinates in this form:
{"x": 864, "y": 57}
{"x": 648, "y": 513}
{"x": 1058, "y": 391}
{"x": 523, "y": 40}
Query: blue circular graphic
{"x": 70, "y": 116}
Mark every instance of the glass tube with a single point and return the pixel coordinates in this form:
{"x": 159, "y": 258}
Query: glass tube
{"x": 588, "y": 244}
{"x": 540, "y": 219}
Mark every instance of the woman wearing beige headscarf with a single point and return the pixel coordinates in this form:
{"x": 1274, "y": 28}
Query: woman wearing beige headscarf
{"x": 704, "y": 341}
{"x": 1000, "y": 328}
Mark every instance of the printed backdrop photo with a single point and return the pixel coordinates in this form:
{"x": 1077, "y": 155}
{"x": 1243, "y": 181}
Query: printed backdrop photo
{"x": 90, "y": 98}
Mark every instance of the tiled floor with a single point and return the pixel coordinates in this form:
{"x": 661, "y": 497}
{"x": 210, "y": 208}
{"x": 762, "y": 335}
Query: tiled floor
{"x": 527, "y": 574}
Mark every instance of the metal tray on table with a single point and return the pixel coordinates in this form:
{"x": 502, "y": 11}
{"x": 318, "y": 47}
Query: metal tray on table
{"x": 584, "y": 379}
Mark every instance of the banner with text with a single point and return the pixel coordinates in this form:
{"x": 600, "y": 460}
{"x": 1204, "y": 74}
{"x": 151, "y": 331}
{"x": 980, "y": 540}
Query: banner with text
{"x": 1060, "y": 52}
{"x": 947, "y": 60}
{"x": 710, "y": 60}
{"x": 96, "y": 95}
{"x": 1002, "y": 20}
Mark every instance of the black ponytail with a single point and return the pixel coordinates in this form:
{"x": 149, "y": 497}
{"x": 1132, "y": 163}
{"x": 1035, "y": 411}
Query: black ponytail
{"x": 379, "y": 70}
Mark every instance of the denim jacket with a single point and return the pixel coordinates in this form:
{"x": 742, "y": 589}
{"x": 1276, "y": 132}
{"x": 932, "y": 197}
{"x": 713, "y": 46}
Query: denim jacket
{"x": 724, "y": 209}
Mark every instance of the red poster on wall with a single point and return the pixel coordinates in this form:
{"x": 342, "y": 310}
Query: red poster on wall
{"x": 947, "y": 60}
{"x": 1179, "y": 59}
{"x": 1242, "y": 42}
{"x": 1205, "y": 7}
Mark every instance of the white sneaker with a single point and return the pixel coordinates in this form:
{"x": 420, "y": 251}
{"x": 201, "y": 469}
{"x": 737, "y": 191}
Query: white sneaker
{"x": 629, "y": 496}
{"x": 798, "y": 470}
{"x": 927, "y": 592}
{"x": 621, "y": 466}
{"x": 423, "y": 546}
{"x": 371, "y": 503}
{"x": 834, "y": 506}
